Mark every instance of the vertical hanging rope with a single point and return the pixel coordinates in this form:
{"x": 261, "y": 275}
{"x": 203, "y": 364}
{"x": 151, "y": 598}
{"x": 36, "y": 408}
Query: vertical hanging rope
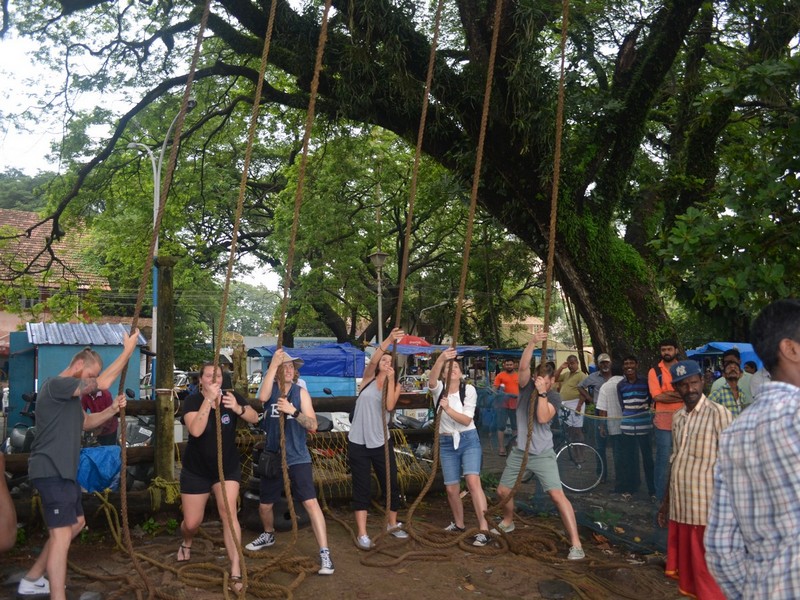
{"x": 298, "y": 197}
{"x": 551, "y": 244}
{"x": 412, "y": 195}
{"x": 251, "y": 132}
{"x": 126, "y": 533}
{"x": 487, "y": 95}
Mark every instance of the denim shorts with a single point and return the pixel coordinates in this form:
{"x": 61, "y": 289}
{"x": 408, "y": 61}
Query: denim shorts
{"x": 466, "y": 460}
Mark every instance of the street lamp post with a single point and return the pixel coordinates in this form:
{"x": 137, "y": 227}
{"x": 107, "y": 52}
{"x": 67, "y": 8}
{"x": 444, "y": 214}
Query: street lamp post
{"x": 378, "y": 259}
{"x": 156, "y": 199}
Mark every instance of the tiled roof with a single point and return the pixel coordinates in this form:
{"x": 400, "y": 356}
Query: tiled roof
{"x": 25, "y": 250}
{"x": 78, "y": 334}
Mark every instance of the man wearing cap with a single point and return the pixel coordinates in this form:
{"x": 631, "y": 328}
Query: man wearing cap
{"x": 696, "y": 429}
{"x": 589, "y": 390}
{"x": 751, "y": 539}
{"x": 284, "y": 398}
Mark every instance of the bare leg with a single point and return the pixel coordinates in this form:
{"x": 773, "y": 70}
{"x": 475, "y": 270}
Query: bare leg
{"x": 194, "y": 506}
{"x": 361, "y": 522}
{"x": 53, "y": 559}
{"x": 508, "y": 507}
{"x": 567, "y": 513}
{"x": 231, "y": 529}
{"x": 318, "y": 521}
{"x": 8, "y": 515}
{"x": 478, "y": 500}
{"x": 454, "y": 500}
{"x": 267, "y": 516}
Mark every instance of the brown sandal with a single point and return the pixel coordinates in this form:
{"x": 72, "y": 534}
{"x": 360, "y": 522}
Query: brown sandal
{"x": 184, "y": 553}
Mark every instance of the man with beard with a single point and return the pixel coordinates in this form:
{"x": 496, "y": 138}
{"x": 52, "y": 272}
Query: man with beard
{"x": 53, "y": 463}
{"x": 589, "y": 390}
{"x": 506, "y": 383}
{"x": 731, "y": 394}
{"x": 751, "y": 539}
{"x": 696, "y": 429}
{"x": 665, "y": 402}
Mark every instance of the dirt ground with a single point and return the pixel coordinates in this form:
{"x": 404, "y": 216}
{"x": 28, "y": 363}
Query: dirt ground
{"x": 620, "y": 540}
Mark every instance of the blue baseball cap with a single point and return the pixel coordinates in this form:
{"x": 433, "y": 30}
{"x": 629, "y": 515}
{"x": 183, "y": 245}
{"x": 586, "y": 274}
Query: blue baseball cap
{"x": 683, "y": 369}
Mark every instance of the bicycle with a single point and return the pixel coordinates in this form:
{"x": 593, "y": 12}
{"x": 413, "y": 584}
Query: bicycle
{"x": 579, "y": 465}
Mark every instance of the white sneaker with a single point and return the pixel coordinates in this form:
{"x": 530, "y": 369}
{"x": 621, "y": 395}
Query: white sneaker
{"x": 397, "y": 531}
{"x": 503, "y": 528}
{"x": 265, "y": 540}
{"x": 40, "y": 587}
{"x": 576, "y": 553}
{"x": 364, "y": 542}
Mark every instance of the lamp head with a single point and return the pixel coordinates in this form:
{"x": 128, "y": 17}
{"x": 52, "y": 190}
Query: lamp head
{"x": 378, "y": 259}
{"x": 191, "y": 104}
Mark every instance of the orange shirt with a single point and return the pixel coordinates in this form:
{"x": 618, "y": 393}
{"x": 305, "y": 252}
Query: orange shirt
{"x": 511, "y": 383}
{"x": 664, "y": 410}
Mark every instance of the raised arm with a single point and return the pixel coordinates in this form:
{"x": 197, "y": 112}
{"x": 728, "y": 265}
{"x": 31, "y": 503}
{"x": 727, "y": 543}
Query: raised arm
{"x": 527, "y": 356}
{"x": 392, "y": 389}
{"x": 94, "y": 420}
{"x": 107, "y": 377}
{"x": 438, "y": 367}
{"x": 269, "y": 378}
{"x": 369, "y": 372}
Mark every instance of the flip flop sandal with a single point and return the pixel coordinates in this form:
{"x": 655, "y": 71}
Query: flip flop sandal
{"x": 184, "y": 553}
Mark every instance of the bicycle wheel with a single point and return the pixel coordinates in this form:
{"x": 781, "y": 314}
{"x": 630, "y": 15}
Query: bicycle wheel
{"x": 579, "y": 466}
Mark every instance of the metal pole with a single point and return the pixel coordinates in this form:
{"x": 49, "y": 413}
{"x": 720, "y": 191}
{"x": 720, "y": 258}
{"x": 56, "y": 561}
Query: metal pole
{"x": 380, "y": 307}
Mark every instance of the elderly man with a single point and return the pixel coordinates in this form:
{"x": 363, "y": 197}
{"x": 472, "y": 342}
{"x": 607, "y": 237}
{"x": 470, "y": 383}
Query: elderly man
{"x": 751, "y": 539}
{"x": 743, "y": 395}
{"x": 696, "y": 429}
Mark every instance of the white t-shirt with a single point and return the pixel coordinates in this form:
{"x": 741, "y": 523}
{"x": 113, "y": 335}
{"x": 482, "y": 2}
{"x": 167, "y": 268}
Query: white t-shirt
{"x": 447, "y": 424}
{"x": 608, "y": 400}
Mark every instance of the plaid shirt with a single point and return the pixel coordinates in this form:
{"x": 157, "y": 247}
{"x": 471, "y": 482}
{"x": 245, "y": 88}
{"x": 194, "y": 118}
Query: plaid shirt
{"x": 695, "y": 437}
{"x": 751, "y": 541}
{"x": 724, "y": 396}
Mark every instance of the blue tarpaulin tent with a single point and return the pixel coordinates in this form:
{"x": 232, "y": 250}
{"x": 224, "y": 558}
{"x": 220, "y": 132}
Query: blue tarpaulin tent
{"x": 335, "y": 366}
{"x": 714, "y": 350}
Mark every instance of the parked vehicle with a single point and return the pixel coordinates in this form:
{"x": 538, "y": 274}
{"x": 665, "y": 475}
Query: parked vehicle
{"x": 180, "y": 380}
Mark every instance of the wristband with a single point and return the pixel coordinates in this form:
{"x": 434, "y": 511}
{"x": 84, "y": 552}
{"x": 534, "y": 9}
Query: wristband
{"x": 244, "y": 408}
{"x": 296, "y": 413}
{"x": 542, "y": 395}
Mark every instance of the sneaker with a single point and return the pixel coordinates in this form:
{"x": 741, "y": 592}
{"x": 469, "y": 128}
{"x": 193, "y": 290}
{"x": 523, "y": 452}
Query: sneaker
{"x": 364, "y": 542}
{"x": 480, "y": 540}
{"x": 503, "y": 528}
{"x": 265, "y": 540}
{"x": 576, "y": 553}
{"x": 40, "y": 587}
{"x": 453, "y": 528}
{"x": 325, "y": 562}
{"x": 397, "y": 531}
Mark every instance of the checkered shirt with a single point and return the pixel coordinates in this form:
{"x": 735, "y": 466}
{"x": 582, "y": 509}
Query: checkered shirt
{"x": 752, "y": 546}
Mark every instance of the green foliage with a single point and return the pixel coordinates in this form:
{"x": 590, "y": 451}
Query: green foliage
{"x": 171, "y": 526}
{"x": 21, "y": 192}
{"x": 151, "y": 527}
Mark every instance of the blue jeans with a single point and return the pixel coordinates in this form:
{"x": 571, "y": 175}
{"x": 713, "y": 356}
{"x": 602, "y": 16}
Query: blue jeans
{"x": 466, "y": 460}
{"x": 663, "y": 452}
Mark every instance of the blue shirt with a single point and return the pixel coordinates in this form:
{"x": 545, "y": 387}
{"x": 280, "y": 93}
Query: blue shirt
{"x": 634, "y": 398}
{"x": 296, "y": 447}
{"x": 751, "y": 540}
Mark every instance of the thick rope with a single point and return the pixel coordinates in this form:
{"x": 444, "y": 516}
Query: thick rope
{"x": 228, "y": 276}
{"x": 173, "y": 156}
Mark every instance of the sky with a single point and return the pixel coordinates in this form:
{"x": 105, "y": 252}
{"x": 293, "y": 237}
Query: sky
{"x": 25, "y": 151}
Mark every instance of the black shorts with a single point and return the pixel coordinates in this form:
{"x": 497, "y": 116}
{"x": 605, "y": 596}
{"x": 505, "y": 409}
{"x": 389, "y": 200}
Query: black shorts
{"x": 192, "y": 483}
{"x": 61, "y": 501}
{"x": 302, "y": 482}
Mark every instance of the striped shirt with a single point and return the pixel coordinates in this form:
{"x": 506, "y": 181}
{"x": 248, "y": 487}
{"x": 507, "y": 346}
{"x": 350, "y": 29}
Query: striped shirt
{"x": 634, "y": 398}
{"x": 695, "y": 439}
{"x": 751, "y": 540}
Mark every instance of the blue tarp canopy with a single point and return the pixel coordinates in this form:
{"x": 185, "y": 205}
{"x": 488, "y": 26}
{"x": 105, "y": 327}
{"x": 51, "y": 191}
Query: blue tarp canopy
{"x": 327, "y": 360}
{"x": 716, "y": 349}
{"x": 409, "y": 349}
